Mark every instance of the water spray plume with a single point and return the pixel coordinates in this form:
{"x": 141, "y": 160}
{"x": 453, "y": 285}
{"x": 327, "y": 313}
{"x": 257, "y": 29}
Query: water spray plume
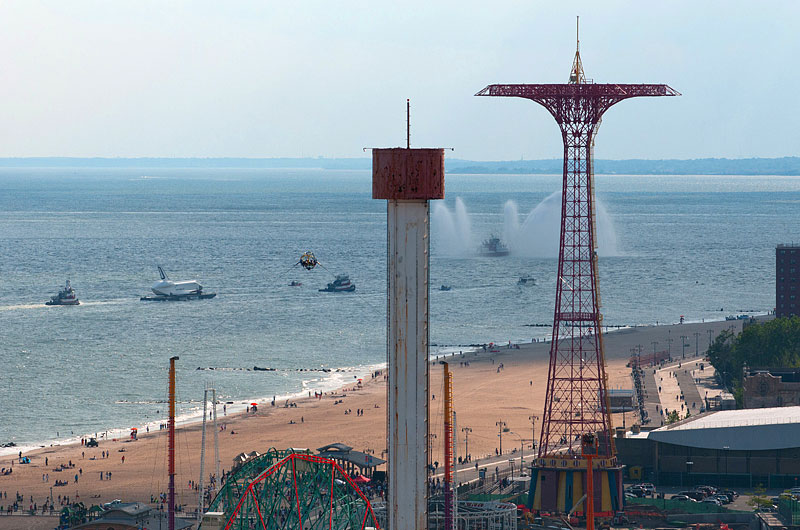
{"x": 534, "y": 237}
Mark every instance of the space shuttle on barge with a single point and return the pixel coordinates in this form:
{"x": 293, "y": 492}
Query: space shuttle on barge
{"x": 168, "y": 290}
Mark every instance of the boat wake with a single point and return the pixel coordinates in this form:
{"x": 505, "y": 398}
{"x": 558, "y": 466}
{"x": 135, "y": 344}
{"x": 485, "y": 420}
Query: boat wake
{"x": 22, "y": 306}
{"x": 41, "y": 305}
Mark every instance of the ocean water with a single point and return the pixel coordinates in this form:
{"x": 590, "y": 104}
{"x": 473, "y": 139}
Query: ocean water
{"x": 698, "y": 246}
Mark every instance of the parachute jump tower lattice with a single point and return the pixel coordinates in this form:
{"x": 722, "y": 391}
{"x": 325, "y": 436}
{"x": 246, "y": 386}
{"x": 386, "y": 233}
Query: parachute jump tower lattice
{"x": 576, "y": 401}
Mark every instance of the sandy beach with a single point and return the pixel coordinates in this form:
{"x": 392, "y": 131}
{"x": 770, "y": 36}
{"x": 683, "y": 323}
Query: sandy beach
{"x": 483, "y": 396}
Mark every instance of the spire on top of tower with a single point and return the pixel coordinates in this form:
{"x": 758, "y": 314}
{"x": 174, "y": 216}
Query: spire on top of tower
{"x": 576, "y": 76}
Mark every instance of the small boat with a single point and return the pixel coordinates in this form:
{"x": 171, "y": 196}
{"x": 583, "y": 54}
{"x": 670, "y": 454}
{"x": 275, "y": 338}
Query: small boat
{"x": 493, "y": 247}
{"x": 526, "y": 280}
{"x": 445, "y": 288}
{"x": 66, "y": 296}
{"x": 295, "y": 283}
{"x": 340, "y": 285}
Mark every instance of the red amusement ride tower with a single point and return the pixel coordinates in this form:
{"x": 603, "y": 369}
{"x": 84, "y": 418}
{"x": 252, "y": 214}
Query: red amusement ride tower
{"x": 576, "y": 402}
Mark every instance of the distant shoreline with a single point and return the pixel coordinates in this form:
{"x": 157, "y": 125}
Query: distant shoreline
{"x": 785, "y": 166}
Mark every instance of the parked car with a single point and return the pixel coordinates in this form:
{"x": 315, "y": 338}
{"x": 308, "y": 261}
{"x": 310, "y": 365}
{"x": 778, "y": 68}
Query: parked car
{"x": 711, "y": 500}
{"x": 695, "y": 494}
{"x": 730, "y": 493}
{"x": 684, "y": 498}
{"x": 723, "y": 499}
{"x": 648, "y": 488}
{"x": 636, "y": 490}
{"x": 708, "y": 490}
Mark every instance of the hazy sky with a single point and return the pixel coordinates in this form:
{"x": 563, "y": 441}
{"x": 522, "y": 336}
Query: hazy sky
{"x": 329, "y": 77}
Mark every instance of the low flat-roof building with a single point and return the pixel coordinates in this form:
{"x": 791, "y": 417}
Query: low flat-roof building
{"x": 732, "y": 447}
{"x": 621, "y": 399}
{"x": 131, "y": 516}
{"x": 771, "y": 388}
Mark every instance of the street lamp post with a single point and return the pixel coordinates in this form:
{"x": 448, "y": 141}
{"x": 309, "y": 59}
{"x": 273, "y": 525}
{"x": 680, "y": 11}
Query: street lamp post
{"x": 533, "y": 419}
{"x": 710, "y": 335}
{"x": 683, "y": 343}
{"x": 696, "y": 343}
{"x": 669, "y": 347}
{"x": 521, "y": 450}
{"x": 466, "y": 431}
{"x": 689, "y": 465}
{"x": 501, "y": 425}
{"x": 726, "y": 448}
{"x": 654, "y": 343}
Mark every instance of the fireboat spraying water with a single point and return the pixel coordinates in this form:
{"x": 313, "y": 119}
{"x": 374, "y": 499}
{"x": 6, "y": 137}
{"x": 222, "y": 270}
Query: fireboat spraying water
{"x": 493, "y": 247}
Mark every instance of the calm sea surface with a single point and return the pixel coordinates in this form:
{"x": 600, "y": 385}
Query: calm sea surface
{"x": 702, "y": 247}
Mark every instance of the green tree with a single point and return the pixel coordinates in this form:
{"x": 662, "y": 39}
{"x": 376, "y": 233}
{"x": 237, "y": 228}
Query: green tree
{"x": 759, "y": 498}
{"x": 772, "y": 344}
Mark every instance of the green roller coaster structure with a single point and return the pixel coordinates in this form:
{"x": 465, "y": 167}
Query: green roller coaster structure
{"x": 291, "y": 490}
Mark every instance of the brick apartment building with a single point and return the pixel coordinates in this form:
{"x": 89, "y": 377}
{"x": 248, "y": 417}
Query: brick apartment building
{"x": 787, "y": 281}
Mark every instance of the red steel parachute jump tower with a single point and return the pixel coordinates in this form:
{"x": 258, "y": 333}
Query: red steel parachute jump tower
{"x": 576, "y": 401}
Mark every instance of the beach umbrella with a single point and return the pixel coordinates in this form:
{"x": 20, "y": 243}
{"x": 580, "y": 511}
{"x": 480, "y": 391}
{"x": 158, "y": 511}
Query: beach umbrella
{"x": 253, "y": 404}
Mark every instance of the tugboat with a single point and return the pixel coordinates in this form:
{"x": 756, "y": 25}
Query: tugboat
{"x": 340, "y": 285}
{"x": 295, "y": 283}
{"x": 493, "y": 247}
{"x": 526, "y": 280}
{"x": 66, "y": 296}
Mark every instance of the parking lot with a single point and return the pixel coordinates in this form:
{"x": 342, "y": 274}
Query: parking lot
{"x": 740, "y": 503}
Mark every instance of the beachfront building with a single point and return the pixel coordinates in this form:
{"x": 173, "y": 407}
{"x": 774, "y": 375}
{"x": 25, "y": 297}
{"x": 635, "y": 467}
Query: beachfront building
{"x": 132, "y": 516}
{"x": 771, "y": 388}
{"x": 353, "y": 462}
{"x": 787, "y": 280}
{"x": 735, "y": 448}
{"x": 621, "y": 400}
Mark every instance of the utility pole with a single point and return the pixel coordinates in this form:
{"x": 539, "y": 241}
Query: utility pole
{"x": 654, "y": 343}
{"x": 217, "y": 476}
{"x": 683, "y": 344}
{"x": 171, "y": 444}
{"x": 669, "y": 347}
{"x": 501, "y": 425}
{"x": 696, "y": 343}
{"x": 710, "y": 335}
{"x": 466, "y": 431}
{"x": 533, "y": 419}
{"x": 200, "y": 499}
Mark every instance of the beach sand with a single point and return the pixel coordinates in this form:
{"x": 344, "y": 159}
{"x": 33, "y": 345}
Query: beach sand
{"x": 482, "y": 397}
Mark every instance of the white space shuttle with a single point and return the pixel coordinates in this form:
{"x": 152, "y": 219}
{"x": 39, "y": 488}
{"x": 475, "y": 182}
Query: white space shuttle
{"x": 167, "y": 287}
